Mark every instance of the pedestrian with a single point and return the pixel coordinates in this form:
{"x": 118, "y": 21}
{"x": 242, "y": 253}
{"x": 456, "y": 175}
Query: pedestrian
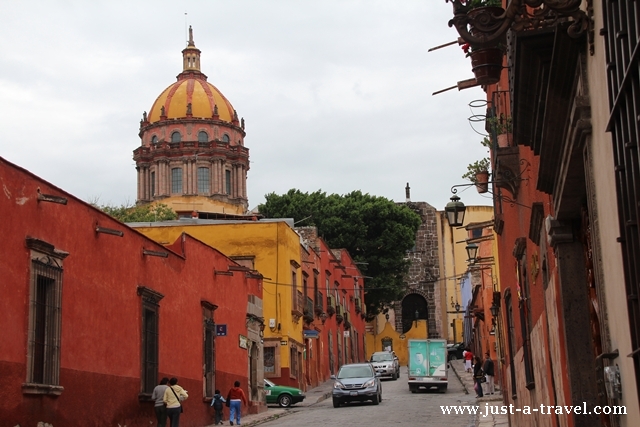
{"x": 488, "y": 369}
{"x": 157, "y": 396}
{"x": 468, "y": 358}
{"x": 478, "y": 375}
{"x": 174, "y": 395}
{"x": 218, "y": 404}
{"x": 236, "y": 398}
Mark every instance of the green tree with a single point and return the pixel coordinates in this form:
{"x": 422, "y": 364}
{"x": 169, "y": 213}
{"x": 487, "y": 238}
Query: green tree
{"x": 376, "y": 231}
{"x": 139, "y": 213}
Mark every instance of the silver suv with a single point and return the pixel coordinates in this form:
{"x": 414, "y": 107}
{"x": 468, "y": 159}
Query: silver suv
{"x": 386, "y": 364}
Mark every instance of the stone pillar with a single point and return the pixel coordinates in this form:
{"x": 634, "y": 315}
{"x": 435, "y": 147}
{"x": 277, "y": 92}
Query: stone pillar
{"x": 139, "y": 182}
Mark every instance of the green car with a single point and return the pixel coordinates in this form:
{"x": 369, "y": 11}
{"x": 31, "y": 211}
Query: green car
{"x": 282, "y": 395}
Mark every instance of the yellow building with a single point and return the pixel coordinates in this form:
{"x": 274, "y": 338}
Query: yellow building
{"x": 453, "y": 258}
{"x": 271, "y": 247}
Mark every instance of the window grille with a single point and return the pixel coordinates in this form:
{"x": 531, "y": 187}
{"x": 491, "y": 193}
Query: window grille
{"x": 176, "y": 181}
{"x": 623, "y": 64}
{"x": 203, "y": 181}
{"x": 46, "y": 311}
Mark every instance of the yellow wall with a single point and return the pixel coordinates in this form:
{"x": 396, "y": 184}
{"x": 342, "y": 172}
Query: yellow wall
{"x": 453, "y": 258}
{"x": 274, "y": 245}
{"x": 386, "y": 330}
{"x": 201, "y": 204}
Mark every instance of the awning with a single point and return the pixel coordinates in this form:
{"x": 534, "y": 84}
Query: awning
{"x": 310, "y": 333}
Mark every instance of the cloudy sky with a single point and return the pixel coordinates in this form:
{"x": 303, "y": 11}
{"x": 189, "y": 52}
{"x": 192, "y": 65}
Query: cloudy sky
{"x": 336, "y": 95}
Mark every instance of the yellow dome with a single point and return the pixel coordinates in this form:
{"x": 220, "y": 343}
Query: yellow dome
{"x": 195, "y": 90}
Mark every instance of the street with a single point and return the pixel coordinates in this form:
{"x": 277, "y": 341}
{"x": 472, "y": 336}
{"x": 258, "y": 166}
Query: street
{"x": 398, "y": 407}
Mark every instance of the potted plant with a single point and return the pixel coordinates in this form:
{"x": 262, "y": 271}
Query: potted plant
{"x": 481, "y": 17}
{"x": 503, "y": 128}
{"x": 478, "y": 173}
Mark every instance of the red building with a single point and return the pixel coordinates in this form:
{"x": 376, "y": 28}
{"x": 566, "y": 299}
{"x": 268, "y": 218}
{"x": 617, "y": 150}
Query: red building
{"x": 334, "y": 315}
{"x": 94, "y": 314}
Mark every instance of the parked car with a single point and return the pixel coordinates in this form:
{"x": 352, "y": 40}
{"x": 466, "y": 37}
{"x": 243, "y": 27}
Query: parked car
{"x": 282, "y": 395}
{"x": 386, "y": 364}
{"x": 356, "y": 382}
{"x": 454, "y": 351}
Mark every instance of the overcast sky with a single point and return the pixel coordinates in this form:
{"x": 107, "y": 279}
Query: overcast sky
{"x": 336, "y": 95}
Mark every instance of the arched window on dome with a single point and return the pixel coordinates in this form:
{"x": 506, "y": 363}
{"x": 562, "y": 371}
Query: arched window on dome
{"x": 204, "y": 181}
{"x": 203, "y": 136}
{"x": 225, "y": 138}
{"x": 154, "y": 140}
{"x": 176, "y": 137}
{"x": 176, "y": 181}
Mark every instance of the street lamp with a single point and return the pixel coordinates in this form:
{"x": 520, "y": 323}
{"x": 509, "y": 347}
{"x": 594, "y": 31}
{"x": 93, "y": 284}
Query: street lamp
{"x": 455, "y": 211}
{"x": 472, "y": 252}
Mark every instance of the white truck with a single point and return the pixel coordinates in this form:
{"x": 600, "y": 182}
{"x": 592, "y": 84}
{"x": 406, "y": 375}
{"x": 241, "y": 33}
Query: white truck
{"x": 428, "y": 365}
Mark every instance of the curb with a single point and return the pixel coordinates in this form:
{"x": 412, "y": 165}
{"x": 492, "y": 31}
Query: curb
{"x": 460, "y": 379}
{"x": 267, "y": 419}
{"x": 325, "y": 396}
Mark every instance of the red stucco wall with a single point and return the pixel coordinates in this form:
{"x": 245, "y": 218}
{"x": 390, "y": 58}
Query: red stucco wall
{"x": 101, "y": 312}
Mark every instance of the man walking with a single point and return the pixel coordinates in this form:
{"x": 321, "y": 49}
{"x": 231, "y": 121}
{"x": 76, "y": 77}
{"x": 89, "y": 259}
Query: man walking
{"x": 488, "y": 369}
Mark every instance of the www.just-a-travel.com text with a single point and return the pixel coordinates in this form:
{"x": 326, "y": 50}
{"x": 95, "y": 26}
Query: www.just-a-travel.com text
{"x": 488, "y": 410}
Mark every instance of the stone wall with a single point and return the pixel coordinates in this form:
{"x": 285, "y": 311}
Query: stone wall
{"x": 424, "y": 271}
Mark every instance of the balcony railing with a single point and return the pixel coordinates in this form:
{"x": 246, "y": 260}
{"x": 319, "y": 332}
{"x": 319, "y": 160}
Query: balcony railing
{"x": 308, "y": 306}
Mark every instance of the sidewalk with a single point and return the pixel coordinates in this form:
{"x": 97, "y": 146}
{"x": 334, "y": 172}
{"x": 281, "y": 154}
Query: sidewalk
{"x": 313, "y": 396}
{"x": 457, "y": 366}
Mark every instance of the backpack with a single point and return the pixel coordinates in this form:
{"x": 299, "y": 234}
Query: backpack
{"x": 217, "y": 403}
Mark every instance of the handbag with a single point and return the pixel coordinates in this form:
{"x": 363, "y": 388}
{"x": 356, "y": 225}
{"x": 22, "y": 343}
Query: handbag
{"x": 228, "y": 402}
{"x": 483, "y": 379}
{"x": 174, "y": 393}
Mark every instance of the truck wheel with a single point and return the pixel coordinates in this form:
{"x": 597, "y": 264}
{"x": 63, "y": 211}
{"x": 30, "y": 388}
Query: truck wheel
{"x": 394, "y": 376}
{"x": 375, "y": 400}
{"x": 336, "y": 403}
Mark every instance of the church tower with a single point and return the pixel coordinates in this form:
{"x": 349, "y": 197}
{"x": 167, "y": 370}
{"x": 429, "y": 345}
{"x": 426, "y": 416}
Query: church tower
{"x": 192, "y": 155}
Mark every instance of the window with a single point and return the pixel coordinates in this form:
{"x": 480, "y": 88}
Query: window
{"x": 227, "y": 181}
{"x": 149, "y": 369}
{"x": 294, "y": 292}
{"x": 176, "y": 180}
{"x": 209, "y": 348}
{"x": 153, "y": 184}
{"x": 45, "y": 319}
{"x": 203, "y": 181}
{"x": 293, "y": 357}
{"x": 176, "y": 137}
{"x": 225, "y": 138}
{"x": 154, "y": 139}
{"x": 271, "y": 352}
{"x": 203, "y": 137}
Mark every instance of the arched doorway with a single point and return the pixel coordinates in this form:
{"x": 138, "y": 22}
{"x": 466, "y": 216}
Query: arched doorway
{"x": 414, "y": 307}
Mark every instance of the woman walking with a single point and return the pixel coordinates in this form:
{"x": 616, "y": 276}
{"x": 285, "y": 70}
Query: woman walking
{"x": 174, "y": 395}
{"x": 478, "y": 375}
{"x": 236, "y": 398}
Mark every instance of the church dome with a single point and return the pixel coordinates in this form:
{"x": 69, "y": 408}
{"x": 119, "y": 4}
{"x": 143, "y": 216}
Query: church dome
{"x": 191, "y": 95}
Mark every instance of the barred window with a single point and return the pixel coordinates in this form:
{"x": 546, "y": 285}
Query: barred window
{"x": 149, "y": 344}
{"x": 203, "y": 181}
{"x": 176, "y": 180}
{"x": 209, "y": 328}
{"x": 45, "y": 319}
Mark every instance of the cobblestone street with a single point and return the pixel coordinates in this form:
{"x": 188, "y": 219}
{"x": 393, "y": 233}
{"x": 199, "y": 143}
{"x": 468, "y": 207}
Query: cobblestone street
{"x": 398, "y": 407}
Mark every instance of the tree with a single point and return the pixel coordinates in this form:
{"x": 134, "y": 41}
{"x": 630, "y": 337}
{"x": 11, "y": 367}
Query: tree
{"x": 376, "y": 231}
{"x": 138, "y": 213}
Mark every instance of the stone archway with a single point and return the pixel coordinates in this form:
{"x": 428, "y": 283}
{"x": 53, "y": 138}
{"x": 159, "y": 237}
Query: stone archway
{"x": 420, "y": 301}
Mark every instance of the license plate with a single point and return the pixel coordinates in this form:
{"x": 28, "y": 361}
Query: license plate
{"x": 353, "y": 393}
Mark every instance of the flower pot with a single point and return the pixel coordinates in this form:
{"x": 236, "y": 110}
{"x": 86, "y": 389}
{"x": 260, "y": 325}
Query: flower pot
{"x": 482, "y": 182}
{"x": 503, "y": 140}
{"x": 486, "y": 64}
